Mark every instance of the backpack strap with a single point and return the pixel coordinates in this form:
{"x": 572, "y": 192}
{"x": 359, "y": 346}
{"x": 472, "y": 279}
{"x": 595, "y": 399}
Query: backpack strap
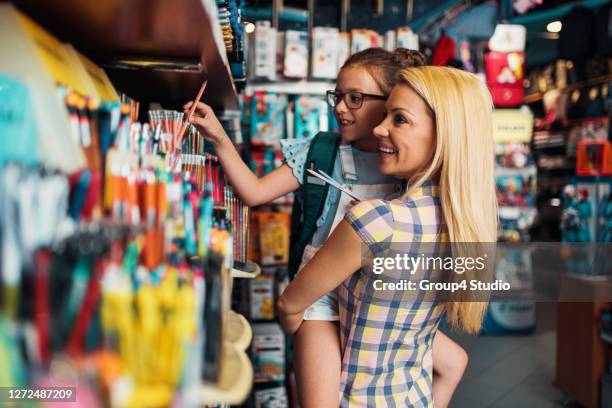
{"x": 308, "y": 207}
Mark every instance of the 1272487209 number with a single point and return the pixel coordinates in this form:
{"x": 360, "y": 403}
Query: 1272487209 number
{"x": 14, "y": 394}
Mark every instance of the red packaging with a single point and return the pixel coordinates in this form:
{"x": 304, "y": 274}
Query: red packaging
{"x": 505, "y": 72}
{"x": 594, "y": 158}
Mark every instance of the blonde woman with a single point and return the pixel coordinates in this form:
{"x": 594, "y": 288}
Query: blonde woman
{"x": 437, "y": 136}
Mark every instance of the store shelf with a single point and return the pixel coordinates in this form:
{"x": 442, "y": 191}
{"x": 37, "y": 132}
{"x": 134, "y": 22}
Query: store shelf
{"x": 570, "y": 88}
{"x": 252, "y": 270}
{"x": 157, "y": 51}
{"x": 514, "y": 212}
{"x": 293, "y": 88}
{"x": 238, "y": 331}
{"x": 236, "y": 379}
{"x": 529, "y": 170}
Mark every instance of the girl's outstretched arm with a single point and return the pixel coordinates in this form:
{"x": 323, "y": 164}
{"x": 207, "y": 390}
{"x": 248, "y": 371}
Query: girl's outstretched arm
{"x": 250, "y": 188}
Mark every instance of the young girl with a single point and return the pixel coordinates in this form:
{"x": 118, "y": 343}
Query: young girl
{"x": 364, "y": 82}
{"x": 437, "y": 137}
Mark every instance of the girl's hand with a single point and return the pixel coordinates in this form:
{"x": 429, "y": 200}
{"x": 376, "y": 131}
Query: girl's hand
{"x": 205, "y": 120}
{"x": 353, "y": 203}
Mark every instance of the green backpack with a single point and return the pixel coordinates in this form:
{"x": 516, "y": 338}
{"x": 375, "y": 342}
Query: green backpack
{"x": 310, "y": 198}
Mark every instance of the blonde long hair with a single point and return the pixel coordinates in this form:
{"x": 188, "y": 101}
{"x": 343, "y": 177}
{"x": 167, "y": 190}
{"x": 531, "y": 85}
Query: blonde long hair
{"x": 463, "y": 160}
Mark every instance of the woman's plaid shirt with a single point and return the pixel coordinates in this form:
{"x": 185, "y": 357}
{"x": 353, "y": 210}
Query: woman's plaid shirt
{"x": 386, "y": 338}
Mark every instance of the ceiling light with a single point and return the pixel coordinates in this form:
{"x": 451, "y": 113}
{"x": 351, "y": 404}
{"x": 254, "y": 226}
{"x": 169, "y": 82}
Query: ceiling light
{"x": 554, "y": 27}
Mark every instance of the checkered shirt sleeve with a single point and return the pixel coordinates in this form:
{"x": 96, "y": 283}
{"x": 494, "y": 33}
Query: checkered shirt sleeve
{"x": 373, "y": 222}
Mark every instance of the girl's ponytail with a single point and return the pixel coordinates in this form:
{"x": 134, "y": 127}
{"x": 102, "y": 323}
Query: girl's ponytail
{"x": 408, "y": 58}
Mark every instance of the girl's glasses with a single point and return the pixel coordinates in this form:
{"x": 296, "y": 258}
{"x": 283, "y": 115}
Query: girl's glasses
{"x": 353, "y": 100}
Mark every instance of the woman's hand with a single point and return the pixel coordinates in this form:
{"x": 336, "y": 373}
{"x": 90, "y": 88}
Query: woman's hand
{"x": 207, "y": 123}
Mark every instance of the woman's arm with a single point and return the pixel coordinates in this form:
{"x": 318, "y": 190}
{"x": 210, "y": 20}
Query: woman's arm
{"x": 339, "y": 257}
{"x": 250, "y": 188}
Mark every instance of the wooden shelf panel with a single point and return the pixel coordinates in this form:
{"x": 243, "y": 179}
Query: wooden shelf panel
{"x": 182, "y": 30}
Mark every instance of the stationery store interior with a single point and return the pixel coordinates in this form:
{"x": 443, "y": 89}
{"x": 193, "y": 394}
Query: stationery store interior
{"x": 139, "y": 265}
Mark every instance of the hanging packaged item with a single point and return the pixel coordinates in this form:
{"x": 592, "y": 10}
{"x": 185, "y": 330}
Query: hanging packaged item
{"x": 262, "y": 297}
{"x": 390, "y": 41}
{"x": 274, "y": 396}
{"x": 263, "y": 160}
{"x": 296, "y": 54}
{"x": 307, "y": 116}
{"x": 17, "y": 123}
{"x": 445, "y": 50}
{"x": 555, "y": 105}
{"x": 265, "y": 51}
{"x": 513, "y": 154}
{"x": 516, "y": 187}
{"x": 344, "y": 48}
{"x": 268, "y": 117}
{"x": 34, "y": 210}
{"x": 515, "y": 223}
{"x": 594, "y": 158}
{"x": 268, "y": 352}
{"x": 280, "y": 53}
{"x": 512, "y": 125}
{"x": 505, "y": 72}
{"x": 406, "y": 38}
{"x": 274, "y": 230}
{"x": 363, "y": 39}
{"x": 324, "y": 52}
{"x": 508, "y": 38}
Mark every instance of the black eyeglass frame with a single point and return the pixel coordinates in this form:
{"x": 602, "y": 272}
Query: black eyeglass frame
{"x": 331, "y": 96}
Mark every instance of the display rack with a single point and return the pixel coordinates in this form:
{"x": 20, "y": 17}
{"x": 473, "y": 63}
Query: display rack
{"x": 149, "y": 57}
{"x": 535, "y": 97}
{"x": 293, "y": 88}
{"x": 238, "y": 331}
{"x": 152, "y": 51}
{"x": 235, "y": 380}
{"x": 250, "y": 271}
{"x": 232, "y": 389}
